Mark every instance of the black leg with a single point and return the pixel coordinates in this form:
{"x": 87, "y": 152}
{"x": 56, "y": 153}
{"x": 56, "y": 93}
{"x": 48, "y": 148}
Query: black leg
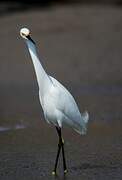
{"x": 58, "y": 153}
{"x": 64, "y": 161}
{"x": 62, "y": 145}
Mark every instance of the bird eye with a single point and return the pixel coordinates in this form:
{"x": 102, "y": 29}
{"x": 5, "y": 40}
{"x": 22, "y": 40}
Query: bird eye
{"x": 23, "y": 34}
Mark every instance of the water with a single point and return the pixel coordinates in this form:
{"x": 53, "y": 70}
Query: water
{"x": 11, "y": 128}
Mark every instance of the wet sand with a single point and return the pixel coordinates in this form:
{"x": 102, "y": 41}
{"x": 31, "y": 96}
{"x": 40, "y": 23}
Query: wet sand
{"x": 81, "y": 46}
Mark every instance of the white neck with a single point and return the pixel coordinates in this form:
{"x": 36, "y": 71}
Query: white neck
{"x": 42, "y": 77}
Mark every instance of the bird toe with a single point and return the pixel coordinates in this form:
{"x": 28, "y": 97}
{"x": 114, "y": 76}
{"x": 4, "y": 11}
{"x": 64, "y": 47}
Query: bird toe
{"x": 65, "y": 171}
{"x": 54, "y": 173}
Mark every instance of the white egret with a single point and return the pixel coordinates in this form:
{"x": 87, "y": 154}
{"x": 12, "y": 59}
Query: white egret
{"x": 58, "y": 104}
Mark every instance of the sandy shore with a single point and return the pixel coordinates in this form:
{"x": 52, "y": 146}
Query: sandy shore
{"x": 81, "y": 47}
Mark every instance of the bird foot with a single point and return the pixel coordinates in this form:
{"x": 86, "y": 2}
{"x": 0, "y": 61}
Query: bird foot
{"x": 54, "y": 173}
{"x": 65, "y": 171}
{"x": 62, "y": 141}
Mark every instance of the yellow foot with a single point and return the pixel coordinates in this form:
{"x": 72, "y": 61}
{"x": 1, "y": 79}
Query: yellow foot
{"x": 62, "y": 140}
{"x": 65, "y": 171}
{"x": 53, "y": 173}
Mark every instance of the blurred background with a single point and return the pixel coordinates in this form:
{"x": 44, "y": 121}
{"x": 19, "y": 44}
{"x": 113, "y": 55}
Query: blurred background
{"x": 14, "y": 5}
{"x": 80, "y": 42}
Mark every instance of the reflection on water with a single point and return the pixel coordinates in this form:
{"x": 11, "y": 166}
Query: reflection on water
{"x": 15, "y": 127}
{"x": 4, "y": 128}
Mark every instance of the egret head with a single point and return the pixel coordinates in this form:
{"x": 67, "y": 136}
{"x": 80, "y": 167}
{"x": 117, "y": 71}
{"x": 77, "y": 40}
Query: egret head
{"x": 25, "y": 33}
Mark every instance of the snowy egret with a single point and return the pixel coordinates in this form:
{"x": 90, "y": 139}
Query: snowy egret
{"x": 58, "y": 104}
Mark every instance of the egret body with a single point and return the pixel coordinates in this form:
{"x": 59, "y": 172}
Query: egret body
{"x": 58, "y": 104}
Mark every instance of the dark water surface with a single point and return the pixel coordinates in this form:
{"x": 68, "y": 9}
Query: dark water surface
{"x": 30, "y": 154}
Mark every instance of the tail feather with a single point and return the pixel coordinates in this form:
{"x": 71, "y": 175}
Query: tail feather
{"x": 85, "y": 116}
{"x": 82, "y": 128}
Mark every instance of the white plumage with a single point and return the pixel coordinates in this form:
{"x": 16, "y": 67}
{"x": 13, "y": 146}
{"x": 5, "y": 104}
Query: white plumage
{"x": 60, "y": 108}
{"x": 58, "y": 104}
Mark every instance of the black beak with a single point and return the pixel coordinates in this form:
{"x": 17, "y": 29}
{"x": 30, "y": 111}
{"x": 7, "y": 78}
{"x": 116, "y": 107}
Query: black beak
{"x": 29, "y": 38}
